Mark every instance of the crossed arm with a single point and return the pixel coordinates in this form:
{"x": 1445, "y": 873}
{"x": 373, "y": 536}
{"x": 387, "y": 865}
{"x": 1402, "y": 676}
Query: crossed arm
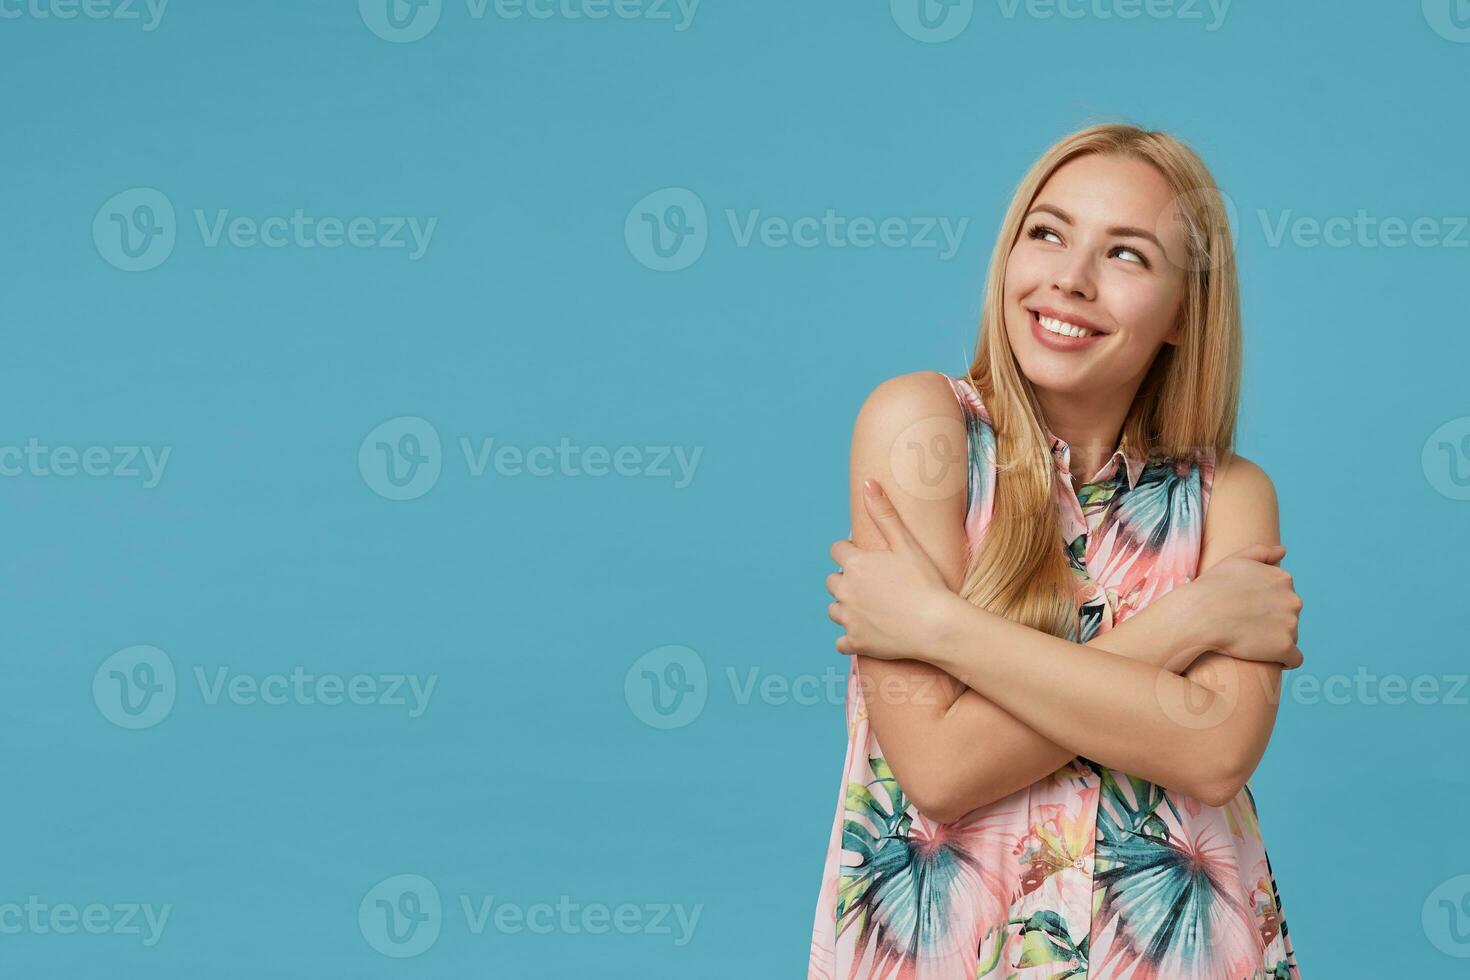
{"x": 1147, "y": 697}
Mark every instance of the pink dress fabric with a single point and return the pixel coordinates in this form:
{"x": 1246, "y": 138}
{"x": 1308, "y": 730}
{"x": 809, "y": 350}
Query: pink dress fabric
{"x": 1090, "y": 873}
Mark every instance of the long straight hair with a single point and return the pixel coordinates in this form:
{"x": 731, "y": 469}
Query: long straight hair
{"x": 1185, "y": 406}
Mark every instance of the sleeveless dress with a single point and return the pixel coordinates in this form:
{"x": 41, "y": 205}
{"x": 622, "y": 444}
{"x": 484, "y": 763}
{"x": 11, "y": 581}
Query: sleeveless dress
{"x": 1089, "y": 873}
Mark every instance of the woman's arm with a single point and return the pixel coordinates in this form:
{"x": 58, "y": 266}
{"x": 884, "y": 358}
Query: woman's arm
{"x": 982, "y": 768}
{"x": 952, "y": 749}
{"x": 1201, "y": 733}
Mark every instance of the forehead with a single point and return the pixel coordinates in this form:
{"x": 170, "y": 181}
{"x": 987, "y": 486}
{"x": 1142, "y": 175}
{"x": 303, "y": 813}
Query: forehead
{"x": 1103, "y": 191}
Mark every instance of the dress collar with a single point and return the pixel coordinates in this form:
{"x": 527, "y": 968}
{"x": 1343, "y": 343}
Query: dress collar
{"x": 1062, "y": 453}
{"x": 1132, "y": 463}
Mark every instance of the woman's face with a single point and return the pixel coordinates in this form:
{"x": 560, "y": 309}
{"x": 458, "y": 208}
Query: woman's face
{"x": 1092, "y": 253}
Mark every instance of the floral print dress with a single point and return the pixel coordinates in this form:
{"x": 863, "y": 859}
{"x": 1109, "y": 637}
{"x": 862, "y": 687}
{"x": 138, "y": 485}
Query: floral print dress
{"x": 1089, "y": 873}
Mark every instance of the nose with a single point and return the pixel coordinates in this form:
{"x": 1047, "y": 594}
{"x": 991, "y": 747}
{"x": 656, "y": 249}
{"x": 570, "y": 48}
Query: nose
{"x": 1074, "y": 276}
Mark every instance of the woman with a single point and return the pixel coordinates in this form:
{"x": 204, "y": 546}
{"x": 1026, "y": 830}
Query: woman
{"x": 1065, "y": 615}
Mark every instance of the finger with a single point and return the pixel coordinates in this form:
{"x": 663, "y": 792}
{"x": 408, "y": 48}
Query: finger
{"x": 832, "y": 582}
{"x": 1290, "y": 659}
{"x": 834, "y": 613}
{"x": 842, "y": 552}
{"x": 1268, "y": 553}
{"x": 885, "y": 515}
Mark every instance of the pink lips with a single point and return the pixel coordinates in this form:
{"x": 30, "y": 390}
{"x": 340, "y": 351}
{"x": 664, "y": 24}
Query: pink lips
{"x": 1058, "y": 342}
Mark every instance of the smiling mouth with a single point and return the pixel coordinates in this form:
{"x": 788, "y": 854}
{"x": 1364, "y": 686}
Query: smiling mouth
{"x": 1061, "y": 327}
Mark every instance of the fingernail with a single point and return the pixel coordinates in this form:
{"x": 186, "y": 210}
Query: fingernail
{"x": 872, "y": 489}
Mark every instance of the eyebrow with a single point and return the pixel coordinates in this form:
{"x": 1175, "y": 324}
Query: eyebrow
{"x": 1122, "y": 231}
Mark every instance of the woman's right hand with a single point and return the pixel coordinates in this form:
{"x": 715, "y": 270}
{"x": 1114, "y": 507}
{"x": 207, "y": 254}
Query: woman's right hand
{"x": 1248, "y": 608}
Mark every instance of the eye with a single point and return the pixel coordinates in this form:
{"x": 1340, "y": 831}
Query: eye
{"x": 1142, "y": 259}
{"x": 1038, "y": 231}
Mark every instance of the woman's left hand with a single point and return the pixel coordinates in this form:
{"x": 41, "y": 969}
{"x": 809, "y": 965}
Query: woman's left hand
{"x": 889, "y": 602}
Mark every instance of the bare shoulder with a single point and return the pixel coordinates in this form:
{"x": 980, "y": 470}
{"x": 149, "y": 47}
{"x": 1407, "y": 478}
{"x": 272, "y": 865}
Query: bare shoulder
{"x": 910, "y": 436}
{"x": 1243, "y": 509}
{"x": 908, "y": 398}
{"x": 910, "y": 432}
{"x": 1242, "y": 483}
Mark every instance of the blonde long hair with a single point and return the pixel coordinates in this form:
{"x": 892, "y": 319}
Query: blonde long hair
{"x": 1185, "y": 406}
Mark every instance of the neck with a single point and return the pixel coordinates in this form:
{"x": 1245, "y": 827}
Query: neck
{"x": 1090, "y": 424}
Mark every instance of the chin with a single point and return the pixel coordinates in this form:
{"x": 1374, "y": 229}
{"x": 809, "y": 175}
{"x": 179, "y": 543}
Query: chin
{"x": 1047, "y": 368}
{"x": 1061, "y": 382}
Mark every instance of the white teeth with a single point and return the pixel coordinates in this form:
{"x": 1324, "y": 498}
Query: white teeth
{"x": 1063, "y": 328}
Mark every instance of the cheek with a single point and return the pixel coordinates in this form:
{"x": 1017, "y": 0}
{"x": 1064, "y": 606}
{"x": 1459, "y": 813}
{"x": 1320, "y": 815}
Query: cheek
{"x": 1149, "y": 311}
{"x": 1019, "y": 282}
{"x": 1019, "y": 274}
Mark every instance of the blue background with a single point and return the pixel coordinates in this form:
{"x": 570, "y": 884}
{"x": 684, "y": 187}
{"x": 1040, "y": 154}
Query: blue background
{"x": 531, "y": 775}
